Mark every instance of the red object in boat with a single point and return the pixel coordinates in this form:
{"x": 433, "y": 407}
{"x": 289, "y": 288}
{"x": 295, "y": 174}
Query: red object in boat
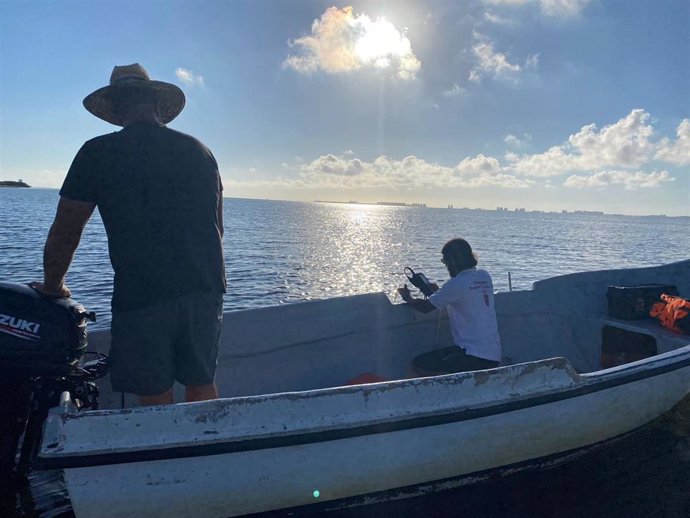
{"x": 367, "y": 377}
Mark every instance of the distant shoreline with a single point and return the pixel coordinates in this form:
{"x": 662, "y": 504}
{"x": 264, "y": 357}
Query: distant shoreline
{"x": 504, "y": 210}
{"x": 385, "y": 203}
{"x": 9, "y": 183}
{"x": 595, "y": 213}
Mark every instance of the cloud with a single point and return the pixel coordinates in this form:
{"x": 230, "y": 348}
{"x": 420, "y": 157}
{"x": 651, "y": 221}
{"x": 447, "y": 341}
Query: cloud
{"x": 478, "y": 166}
{"x": 563, "y": 8}
{"x": 630, "y": 180}
{"x": 491, "y": 63}
{"x": 532, "y": 62}
{"x": 627, "y": 144}
{"x": 454, "y": 91}
{"x": 678, "y": 152}
{"x": 498, "y": 20}
{"x": 483, "y": 171}
{"x": 553, "y": 162}
{"x": 408, "y": 173}
{"x": 188, "y": 77}
{"x": 591, "y": 158}
{"x": 349, "y": 172}
{"x": 553, "y": 8}
{"x": 335, "y": 165}
{"x": 516, "y": 142}
{"x": 341, "y": 41}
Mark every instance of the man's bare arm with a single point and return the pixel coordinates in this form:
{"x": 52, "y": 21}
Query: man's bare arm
{"x": 421, "y": 305}
{"x": 220, "y": 214}
{"x": 63, "y": 240}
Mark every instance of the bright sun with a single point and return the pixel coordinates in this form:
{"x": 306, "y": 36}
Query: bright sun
{"x": 380, "y": 42}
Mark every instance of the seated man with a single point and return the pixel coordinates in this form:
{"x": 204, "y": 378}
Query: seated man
{"x": 469, "y": 297}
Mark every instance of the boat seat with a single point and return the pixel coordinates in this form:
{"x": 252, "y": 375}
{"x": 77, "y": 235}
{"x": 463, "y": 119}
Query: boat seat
{"x": 666, "y": 340}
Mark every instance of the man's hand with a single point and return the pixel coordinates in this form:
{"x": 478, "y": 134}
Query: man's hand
{"x": 421, "y": 305}
{"x": 61, "y": 291}
{"x": 405, "y": 293}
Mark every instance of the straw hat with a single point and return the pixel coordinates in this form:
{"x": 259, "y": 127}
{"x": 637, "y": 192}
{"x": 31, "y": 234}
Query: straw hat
{"x": 127, "y": 83}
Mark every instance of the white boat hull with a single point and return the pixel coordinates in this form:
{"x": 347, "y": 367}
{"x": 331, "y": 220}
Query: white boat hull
{"x": 347, "y": 458}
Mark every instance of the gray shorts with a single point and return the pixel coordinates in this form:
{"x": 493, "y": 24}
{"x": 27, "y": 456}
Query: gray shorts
{"x": 175, "y": 340}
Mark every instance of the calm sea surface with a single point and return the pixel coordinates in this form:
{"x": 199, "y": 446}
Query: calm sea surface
{"x": 281, "y": 252}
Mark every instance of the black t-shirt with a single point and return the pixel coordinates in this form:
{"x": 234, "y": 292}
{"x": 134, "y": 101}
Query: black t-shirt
{"x": 157, "y": 191}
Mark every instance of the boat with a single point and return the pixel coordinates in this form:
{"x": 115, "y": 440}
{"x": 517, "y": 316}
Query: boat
{"x": 292, "y": 433}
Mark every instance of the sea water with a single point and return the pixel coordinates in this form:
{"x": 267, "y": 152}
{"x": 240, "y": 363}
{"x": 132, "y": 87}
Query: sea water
{"x": 284, "y": 252}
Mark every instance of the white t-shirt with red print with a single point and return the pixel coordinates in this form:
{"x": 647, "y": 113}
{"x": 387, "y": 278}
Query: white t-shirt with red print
{"x": 469, "y": 297}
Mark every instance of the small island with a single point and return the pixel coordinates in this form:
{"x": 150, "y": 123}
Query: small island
{"x": 9, "y": 183}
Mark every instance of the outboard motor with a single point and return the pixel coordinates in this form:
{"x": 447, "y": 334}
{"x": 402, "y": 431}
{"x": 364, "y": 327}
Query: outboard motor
{"x": 42, "y": 344}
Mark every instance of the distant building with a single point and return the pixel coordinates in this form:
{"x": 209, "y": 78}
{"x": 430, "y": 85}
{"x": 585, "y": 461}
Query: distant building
{"x": 590, "y": 212}
{"x": 400, "y": 204}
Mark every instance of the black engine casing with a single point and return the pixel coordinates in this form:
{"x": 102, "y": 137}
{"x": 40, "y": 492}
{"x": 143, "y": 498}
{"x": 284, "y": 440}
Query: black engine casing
{"x": 39, "y": 335}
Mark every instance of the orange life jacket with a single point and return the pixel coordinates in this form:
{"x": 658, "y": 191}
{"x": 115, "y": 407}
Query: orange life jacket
{"x": 671, "y": 312}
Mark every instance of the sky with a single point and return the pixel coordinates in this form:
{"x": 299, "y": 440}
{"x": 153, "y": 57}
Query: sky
{"x": 538, "y": 104}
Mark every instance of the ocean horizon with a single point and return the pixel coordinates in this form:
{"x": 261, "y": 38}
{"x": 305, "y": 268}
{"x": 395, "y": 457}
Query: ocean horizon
{"x": 420, "y": 204}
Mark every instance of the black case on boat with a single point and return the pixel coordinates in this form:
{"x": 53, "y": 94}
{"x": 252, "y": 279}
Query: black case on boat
{"x": 39, "y": 335}
{"x": 634, "y": 302}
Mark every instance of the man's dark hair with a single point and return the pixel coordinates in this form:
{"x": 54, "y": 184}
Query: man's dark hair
{"x": 457, "y": 253}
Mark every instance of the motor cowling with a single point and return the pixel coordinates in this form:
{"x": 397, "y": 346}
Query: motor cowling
{"x": 42, "y": 340}
{"x": 40, "y": 335}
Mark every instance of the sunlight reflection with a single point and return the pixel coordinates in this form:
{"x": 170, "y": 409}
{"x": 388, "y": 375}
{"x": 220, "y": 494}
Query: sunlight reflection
{"x": 380, "y": 41}
{"x": 355, "y": 249}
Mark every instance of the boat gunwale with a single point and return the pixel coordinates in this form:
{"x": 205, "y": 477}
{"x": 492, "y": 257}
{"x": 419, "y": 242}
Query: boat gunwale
{"x": 591, "y": 383}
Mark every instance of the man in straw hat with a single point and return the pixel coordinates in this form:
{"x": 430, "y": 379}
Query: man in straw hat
{"x": 159, "y": 194}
